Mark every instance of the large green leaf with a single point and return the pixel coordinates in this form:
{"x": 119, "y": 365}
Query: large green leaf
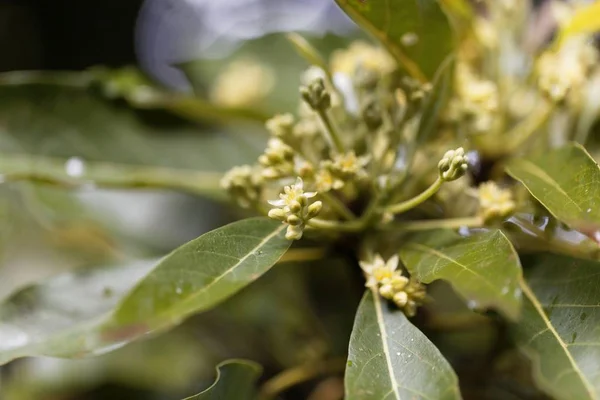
{"x": 560, "y": 326}
{"x": 74, "y": 172}
{"x": 60, "y": 317}
{"x": 566, "y": 181}
{"x": 204, "y": 272}
{"x": 483, "y": 268}
{"x": 236, "y": 379}
{"x": 389, "y": 358}
{"x": 87, "y": 313}
{"x": 390, "y": 20}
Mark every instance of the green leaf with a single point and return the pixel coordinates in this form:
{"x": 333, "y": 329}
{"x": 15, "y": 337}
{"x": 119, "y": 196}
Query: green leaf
{"x": 390, "y": 20}
{"x": 236, "y": 379}
{"x": 65, "y": 121}
{"x": 74, "y": 173}
{"x": 60, "y": 317}
{"x": 566, "y": 181}
{"x": 91, "y": 312}
{"x": 559, "y": 328}
{"x": 202, "y": 273}
{"x": 131, "y": 85}
{"x": 483, "y": 268}
{"x": 389, "y": 358}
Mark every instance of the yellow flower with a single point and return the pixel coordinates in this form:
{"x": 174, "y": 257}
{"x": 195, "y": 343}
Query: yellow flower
{"x": 364, "y": 55}
{"x": 495, "y": 202}
{"x": 243, "y": 83}
{"x": 294, "y": 209}
{"x": 379, "y": 271}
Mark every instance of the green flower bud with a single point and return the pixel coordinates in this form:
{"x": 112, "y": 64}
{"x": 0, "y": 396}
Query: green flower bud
{"x": 453, "y": 165}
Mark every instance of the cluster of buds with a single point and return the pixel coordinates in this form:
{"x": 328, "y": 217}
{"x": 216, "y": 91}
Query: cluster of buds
{"x": 244, "y": 184}
{"x": 295, "y": 209}
{"x": 453, "y": 165}
{"x": 494, "y": 202}
{"x": 342, "y": 169}
{"x": 385, "y": 277}
{"x": 476, "y": 103}
{"x": 315, "y": 95}
{"x": 278, "y": 160}
{"x": 362, "y": 56}
{"x": 566, "y": 70}
{"x": 243, "y": 83}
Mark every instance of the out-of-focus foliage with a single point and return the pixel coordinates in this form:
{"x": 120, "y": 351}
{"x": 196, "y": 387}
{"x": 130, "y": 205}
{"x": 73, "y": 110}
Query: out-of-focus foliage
{"x": 438, "y": 165}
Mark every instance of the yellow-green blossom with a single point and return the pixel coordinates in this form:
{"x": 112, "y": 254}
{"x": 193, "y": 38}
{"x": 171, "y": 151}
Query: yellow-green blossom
{"x": 294, "y": 208}
{"x": 495, "y": 202}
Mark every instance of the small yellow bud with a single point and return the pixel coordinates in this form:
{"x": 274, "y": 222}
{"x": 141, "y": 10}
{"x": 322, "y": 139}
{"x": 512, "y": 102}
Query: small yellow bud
{"x": 294, "y": 220}
{"x": 314, "y": 209}
{"x": 277, "y": 213}
{"x": 293, "y": 233}
{"x": 453, "y": 165}
{"x": 386, "y": 291}
{"x": 401, "y": 299}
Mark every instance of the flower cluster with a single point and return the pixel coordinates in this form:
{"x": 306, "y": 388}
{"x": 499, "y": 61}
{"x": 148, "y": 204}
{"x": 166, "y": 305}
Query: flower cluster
{"x": 494, "y": 202}
{"x": 385, "y": 277}
{"x": 453, "y": 165}
{"x": 476, "y": 103}
{"x": 243, "y": 83}
{"x": 295, "y": 209}
{"x": 340, "y": 165}
{"x": 566, "y": 70}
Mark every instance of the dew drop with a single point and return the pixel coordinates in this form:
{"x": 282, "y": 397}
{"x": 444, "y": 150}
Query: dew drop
{"x": 398, "y": 353}
{"x": 589, "y": 210}
{"x": 505, "y": 290}
{"x": 409, "y": 39}
{"x": 472, "y": 304}
{"x": 178, "y": 290}
{"x": 74, "y": 167}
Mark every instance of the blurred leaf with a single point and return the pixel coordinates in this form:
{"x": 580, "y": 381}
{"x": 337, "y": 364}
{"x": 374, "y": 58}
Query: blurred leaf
{"x": 566, "y": 181}
{"x": 559, "y": 328}
{"x": 74, "y": 172}
{"x": 390, "y": 20}
{"x": 236, "y": 379}
{"x": 130, "y": 84}
{"x": 483, "y": 268}
{"x": 585, "y": 20}
{"x": 60, "y": 317}
{"x": 75, "y": 315}
{"x": 435, "y": 103}
{"x": 60, "y": 121}
{"x": 168, "y": 363}
{"x": 389, "y": 358}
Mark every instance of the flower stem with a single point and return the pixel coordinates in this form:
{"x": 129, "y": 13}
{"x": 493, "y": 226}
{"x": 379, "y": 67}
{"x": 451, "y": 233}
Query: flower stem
{"x": 338, "y": 206}
{"x": 330, "y": 132}
{"x": 415, "y": 201}
{"x": 523, "y": 131}
{"x": 452, "y": 223}
{"x": 302, "y": 373}
{"x": 352, "y": 226}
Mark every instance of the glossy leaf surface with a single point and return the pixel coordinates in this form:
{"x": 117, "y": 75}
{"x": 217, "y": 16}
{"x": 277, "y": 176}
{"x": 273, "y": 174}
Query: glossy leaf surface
{"x": 559, "y": 329}
{"x": 92, "y": 312}
{"x": 483, "y": 268}
{"x": 416, "y": 33}
{"x": 389, "y": 358}
{"x": 566, "y": 181}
